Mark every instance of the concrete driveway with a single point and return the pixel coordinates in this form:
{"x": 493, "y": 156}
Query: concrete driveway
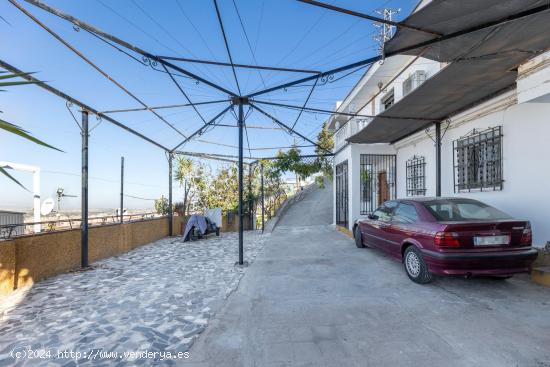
{"x": 312, "y": 298}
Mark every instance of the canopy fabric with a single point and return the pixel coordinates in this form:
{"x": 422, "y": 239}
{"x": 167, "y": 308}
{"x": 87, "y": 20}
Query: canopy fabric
{"x": 445, "y": 17}
{"x": 483, "y": 64}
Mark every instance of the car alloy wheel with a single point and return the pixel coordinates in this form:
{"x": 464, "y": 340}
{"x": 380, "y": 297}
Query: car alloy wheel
{"x": 413, "y": 264}
{"x": 416, "y": 268}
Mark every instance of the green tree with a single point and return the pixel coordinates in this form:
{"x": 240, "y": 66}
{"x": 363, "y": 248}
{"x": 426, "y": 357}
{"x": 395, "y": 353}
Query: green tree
{"x": 12, "y": 128}
{"x": 161, "y": 206}
{"x": 325, "y": 140}
{"x": 192, "y": 177}
{"x": 291, "y": 160}
{"x": 222, "y": 190}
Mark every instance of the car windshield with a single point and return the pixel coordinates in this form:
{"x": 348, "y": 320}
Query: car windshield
{"x": 461, "y": 210}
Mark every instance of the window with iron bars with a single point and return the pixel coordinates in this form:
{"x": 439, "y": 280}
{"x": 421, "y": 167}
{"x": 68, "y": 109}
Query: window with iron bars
{"x": 416, "y": 176}
{"x": 477, "y": 161}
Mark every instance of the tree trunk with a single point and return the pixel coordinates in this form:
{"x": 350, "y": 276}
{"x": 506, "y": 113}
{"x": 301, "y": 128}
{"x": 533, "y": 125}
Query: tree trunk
{"x": 185, "y": 193}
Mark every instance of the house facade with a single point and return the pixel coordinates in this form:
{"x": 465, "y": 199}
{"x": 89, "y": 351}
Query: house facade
{"x": 430, "y": 124}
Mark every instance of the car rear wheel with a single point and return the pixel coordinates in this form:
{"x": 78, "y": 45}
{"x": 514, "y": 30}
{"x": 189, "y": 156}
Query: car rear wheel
{"x": 358, "y": 237}
{"x": 416, "y": 268}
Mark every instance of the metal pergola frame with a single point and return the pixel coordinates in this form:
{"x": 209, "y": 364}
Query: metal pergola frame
{"x": 234, "y": 99}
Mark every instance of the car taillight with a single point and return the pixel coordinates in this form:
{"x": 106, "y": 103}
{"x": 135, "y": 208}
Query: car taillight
{"x": 446, "y": 239}
{"x": 527, "y": 235}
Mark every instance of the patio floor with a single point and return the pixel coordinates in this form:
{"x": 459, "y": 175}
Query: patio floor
{"x": 158, "y": 297}
{"x": 312, "y": 298}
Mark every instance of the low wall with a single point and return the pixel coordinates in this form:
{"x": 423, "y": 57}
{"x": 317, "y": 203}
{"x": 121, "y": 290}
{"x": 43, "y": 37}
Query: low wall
{"x": 28, "y": 259}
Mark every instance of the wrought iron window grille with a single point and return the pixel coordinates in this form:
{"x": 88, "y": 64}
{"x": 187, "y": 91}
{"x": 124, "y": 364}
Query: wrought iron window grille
{"x": 416, "y": 176}
{"x": 477, "y": 161}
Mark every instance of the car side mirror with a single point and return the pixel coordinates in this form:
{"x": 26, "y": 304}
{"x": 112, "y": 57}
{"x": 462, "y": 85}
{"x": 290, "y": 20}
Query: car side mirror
{"x": 373, "y": 216}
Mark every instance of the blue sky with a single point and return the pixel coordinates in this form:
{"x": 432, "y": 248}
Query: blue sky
{"x": 281, "y": 33}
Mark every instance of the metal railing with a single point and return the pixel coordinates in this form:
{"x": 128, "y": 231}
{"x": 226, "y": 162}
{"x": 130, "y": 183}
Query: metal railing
{"x": 352, "y": 127}
{"x": 9, "y": 231}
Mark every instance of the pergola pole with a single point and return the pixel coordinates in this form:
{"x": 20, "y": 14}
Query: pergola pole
{"x": 241, "y": 214}
{"x": 250, "y": 201}
{"x": 121, "y": 190}
{"x": 170, "y": 210}
{"x": 438, "y": 159}
{"x": 262, "y": 185}
{"x": 84, "y": 197}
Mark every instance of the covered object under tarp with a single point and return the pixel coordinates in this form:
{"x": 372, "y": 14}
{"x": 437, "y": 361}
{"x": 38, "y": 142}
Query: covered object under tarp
{"x": 481, "y": 64}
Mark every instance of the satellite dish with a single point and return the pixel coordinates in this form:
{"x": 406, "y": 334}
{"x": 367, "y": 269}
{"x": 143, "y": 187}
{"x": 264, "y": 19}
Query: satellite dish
{"x": 47, "y": 206}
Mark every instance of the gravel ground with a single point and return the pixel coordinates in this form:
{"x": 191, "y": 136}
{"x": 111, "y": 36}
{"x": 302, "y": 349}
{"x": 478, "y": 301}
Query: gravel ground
{"x": 156, "y": 298}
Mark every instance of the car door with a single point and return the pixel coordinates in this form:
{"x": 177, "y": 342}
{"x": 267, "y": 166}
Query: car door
{"x": 377, "y": 224}
{"x": 403, "y": 226}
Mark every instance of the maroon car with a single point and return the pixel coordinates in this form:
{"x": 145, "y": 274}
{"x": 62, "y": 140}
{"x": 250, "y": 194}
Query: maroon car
{"x": 448, "y": 236}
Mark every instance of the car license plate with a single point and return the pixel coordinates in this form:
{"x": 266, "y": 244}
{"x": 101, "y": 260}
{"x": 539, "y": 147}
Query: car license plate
{"x": 491, "y": 240}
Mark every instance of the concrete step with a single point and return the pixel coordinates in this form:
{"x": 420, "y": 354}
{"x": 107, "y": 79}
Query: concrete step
{"x": 541, "y": 275}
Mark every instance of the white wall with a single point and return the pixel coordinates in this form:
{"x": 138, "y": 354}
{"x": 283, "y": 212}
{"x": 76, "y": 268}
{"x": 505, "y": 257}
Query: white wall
{"x": 429, "y": 66}
{"x": 526, "y": 173}
{"x": 355, "y": 176}
{"x": 341, "y": 156}
{"x": 526, "y": 147}
{"x": 419, "y": 146}
{"x": 352, "y": 153}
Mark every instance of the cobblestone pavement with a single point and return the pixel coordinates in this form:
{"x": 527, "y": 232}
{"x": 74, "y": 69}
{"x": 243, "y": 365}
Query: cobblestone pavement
{"x": 158, "y": 297}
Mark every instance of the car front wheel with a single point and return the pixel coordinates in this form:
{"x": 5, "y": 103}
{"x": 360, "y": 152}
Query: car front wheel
{"x": 358, "y": 237}
{"x": 416, "y": 268}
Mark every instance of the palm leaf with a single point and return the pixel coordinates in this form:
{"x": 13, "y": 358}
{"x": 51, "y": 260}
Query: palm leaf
{"x": 11, "y": 84}
{"x": 4, "y": 172}
{"x": 14, "y": 129}
{"x": 15, "y": 75}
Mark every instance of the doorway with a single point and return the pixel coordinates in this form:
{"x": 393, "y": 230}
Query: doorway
{"x": 342, "y": 194}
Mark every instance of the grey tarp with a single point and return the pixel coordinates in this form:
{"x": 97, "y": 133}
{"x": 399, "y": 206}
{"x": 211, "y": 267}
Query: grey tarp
{"x": 485, "y": 62}
{"x": 195, "y": 220}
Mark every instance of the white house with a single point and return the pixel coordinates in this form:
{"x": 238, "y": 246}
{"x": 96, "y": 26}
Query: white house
{"x": 483, "y": 96}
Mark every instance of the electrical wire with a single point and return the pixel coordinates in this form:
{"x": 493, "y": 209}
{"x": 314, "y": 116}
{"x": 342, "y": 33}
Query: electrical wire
{"x": 169, "y": 34}
{"x": 180, "y": 7}
{"x": 92, "y": 64}
{"x": 138, "y": 197}
{"x": 227, "y": 46}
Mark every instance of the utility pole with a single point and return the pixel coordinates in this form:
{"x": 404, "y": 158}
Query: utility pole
{"x": 385, "y": 30}
{"x": 121, "y": 190}
{"x": 84, "y": 202}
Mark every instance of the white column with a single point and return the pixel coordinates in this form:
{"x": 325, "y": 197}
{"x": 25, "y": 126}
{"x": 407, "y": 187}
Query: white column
{"x": 36, "y": 199}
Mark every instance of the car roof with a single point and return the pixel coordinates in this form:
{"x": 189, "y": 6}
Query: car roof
{"x": 432, "y": 198}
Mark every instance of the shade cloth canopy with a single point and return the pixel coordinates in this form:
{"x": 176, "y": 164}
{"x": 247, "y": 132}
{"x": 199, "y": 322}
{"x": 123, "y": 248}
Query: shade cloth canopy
{"x": 482, "y": 64}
